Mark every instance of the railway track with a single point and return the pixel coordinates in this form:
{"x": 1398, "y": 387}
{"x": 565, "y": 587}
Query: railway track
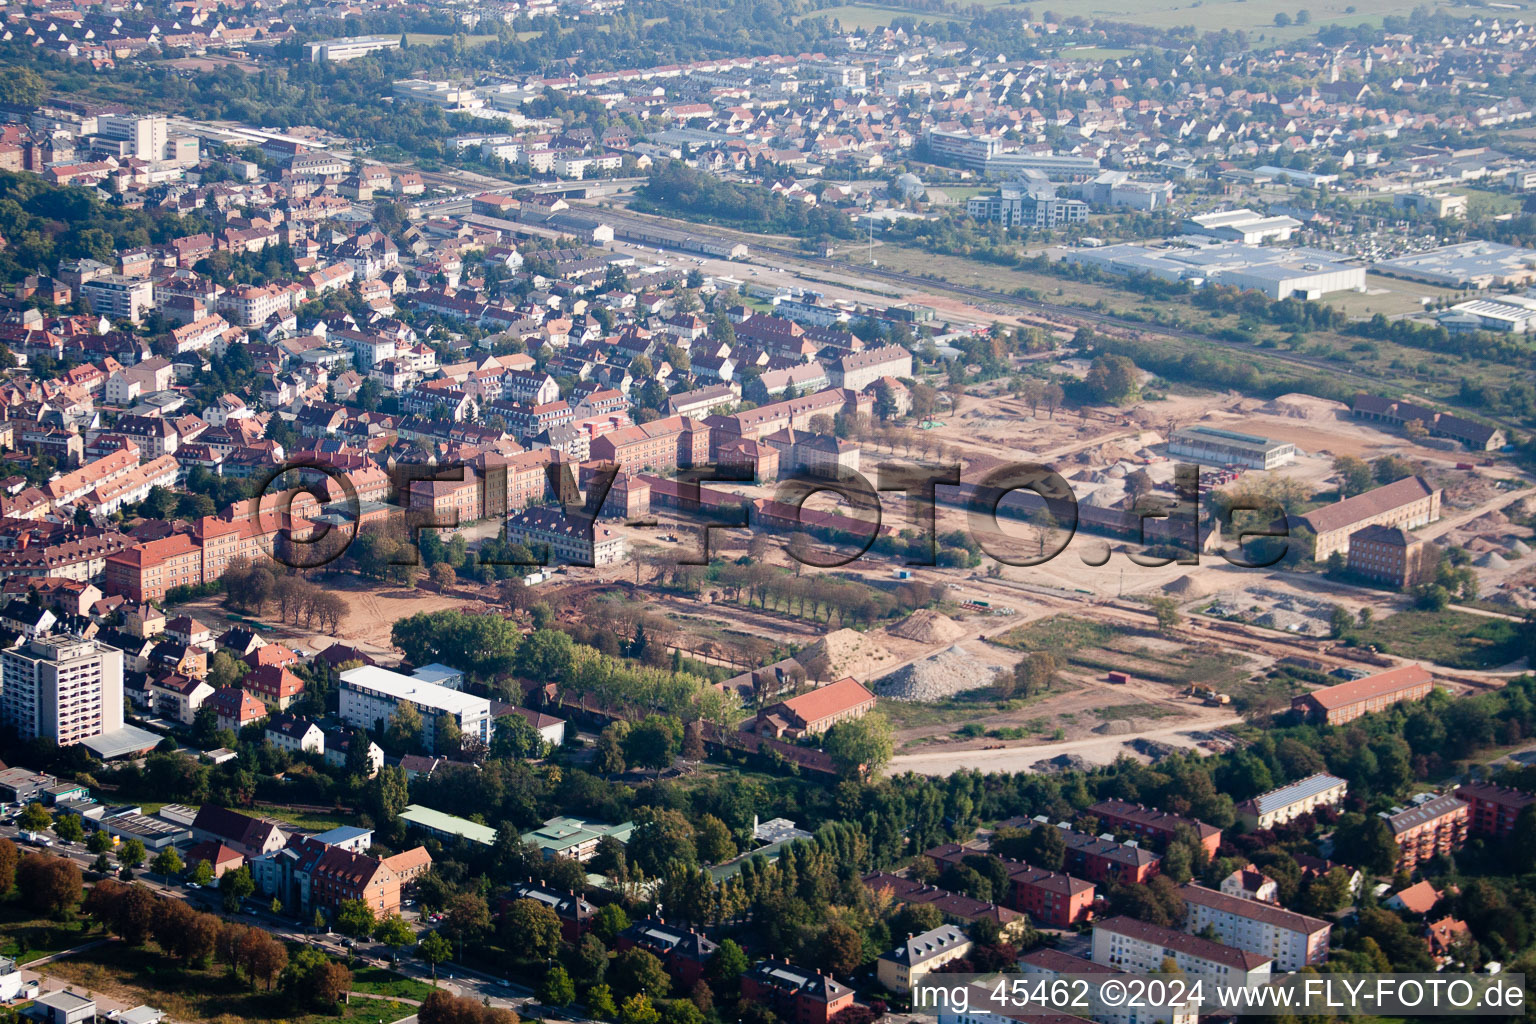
{"x": 1056, "y": 310}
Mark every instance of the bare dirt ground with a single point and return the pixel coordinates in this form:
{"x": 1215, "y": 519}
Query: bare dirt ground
{"x": 371, "y": 611}
{"x": 1096, "y": 749}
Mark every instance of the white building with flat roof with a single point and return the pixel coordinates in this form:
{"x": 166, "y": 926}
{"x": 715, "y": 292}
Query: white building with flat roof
{"x": 1242, "y": 225}
{"x": 370, "y": 695}
{"x": 351, "y": 47}
{"x": 1278, "y": 273}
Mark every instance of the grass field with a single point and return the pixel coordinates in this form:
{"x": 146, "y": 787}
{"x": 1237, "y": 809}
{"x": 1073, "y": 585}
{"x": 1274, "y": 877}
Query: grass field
{"x": 1257, "y": 17}
{"x": 433, "y": 38}
{"x": 1450, "y": 638}
{"x": 1398, "y": 296}
{"x": 379, "y": 982}
{"x": 147, "y": 976}
{"x": 872, "y": 16}
{"x": 25, "y": 936}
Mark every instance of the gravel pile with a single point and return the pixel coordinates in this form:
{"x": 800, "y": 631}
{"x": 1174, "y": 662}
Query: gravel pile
{"x": 950, "y": 671}
{"x": 1115, "y": 727}
{"x": 1492, "y": 561}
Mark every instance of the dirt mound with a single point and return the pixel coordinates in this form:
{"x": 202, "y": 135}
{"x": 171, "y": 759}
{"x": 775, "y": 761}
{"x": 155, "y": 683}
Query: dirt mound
{"x": 927, "y": 626}
{"x": 1062, "y": 763}
{"x": 950, "y": 671}
{"x": 1304, "y": 407}
{"x": 1186, "y": 588}
{"x": 1114, "y": 727}
{"x": 850, "y": 653}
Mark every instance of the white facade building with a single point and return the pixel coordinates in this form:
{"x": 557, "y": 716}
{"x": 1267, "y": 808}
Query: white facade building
{"x": 370, "y": 695}
{"x": 63, "y": 688}
{"x": 1292, "y": 940}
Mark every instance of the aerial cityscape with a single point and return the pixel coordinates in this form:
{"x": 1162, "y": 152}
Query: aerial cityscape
{"x": 767, "y": 511}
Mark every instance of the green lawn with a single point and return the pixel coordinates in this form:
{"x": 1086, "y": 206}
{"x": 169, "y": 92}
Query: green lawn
{"x": 433, "y": 38}
{"x": 146, "y": 975}
{"x": 303, "y": 819}
{"x": 872, "y": 16}
{"x": 1059, "y": 633}
{"x": 24, "y": 936}
{"x": 377, "y": 981}
{"x": 1450, "y": 638}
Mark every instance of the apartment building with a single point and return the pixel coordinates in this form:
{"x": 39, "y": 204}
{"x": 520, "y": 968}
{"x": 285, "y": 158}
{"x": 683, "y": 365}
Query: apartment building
{"x": 918, "y": 955}
{"x": 146, "y": 571}
{"x": 1429, "y": 828}
{"x": 370, "y": 695}
{"x": 858, "y": 370}
{"x": 1140, "y": 948}
{"x": 1346, "y": 702}
{"x": 1055, "y": 899}
{"x": 247, "y": 836}
{"x": 62, "y": 688}
{"x": 1287, "y": 803}
{"x": 684, "y": 952}
{"x": 295, "y": 734}
{"x": 796, "y": 995}
{"x": 1493, "y": 809}
{"x": 1155, "y": 824}
{"x": 1292, "y": 940}
{"x": 1103, "y": 859}
{"x": 660, "y": 445}
{"x": 67, "y": 487}
{"x": 251, "y": 306}
{"x": 118, "y": 297}
{"x": 1053, "y": 962}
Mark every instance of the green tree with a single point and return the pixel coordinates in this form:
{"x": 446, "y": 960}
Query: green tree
{"x": 532, "y": 927}
{"x": 100, "y": 841}
{"x": 394, "y": 932}
{"x": 861, "y": 747}
{"x": 1354, "y": 475}
{"x": 131, "y": 853}
{"x": 609, "y": 922}
{"x": 600, "y": 1002}
{"x": 388, "y": 794}
{"x": 167, "y": 863}
{"x": 34, "y": 817}
{"x": 355, "y": 918}
{"x": 236, "y": 887}
{"x": 557, "y": 989}
{"x": 637, "y": 1009}
{"x": 434, "y": 949}
{"x": 202, "y": 873}
{"x": 654, "y": 742}
{"x": 713, "y": 840}
{"x": 1369, "y": 842}
{"x": 68, "y": 828}
{"x": 639, "y": 972}
{"x": 1112, "y": 379}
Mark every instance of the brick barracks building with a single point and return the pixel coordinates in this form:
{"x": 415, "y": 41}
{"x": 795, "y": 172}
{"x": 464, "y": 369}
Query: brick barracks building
{"x": 145, "y": 572}
{"x": 1148, "y": 821}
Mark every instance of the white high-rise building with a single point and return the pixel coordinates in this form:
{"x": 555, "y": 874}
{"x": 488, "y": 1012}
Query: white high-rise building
{"x": 146, "y": 133}
{"x": 61, "y": 687}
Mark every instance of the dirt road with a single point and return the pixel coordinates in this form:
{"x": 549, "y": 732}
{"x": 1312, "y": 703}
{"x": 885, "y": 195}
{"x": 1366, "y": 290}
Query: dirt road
{"x": 1098, "y": 749}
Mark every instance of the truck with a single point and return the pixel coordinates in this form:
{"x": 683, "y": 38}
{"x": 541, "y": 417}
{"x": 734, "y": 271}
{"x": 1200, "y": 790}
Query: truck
{"x": 36, "y": 838}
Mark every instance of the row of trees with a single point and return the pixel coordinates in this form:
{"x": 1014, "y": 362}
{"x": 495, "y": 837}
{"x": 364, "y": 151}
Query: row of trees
{"x": 253, "y": 588}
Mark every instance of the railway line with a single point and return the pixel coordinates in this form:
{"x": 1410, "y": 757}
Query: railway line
{"x": 1055, "y": 310}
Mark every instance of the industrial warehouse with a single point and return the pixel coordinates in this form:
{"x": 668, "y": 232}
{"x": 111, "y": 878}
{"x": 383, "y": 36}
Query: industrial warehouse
{"x": 1196, "y": 260}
